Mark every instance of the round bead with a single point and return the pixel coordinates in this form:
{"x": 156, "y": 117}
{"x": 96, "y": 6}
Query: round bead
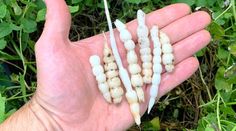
{"x": 97, "y": 70}
{"x": 156, "y": 59}
{"x": 147, "y": 79}
{"x": 114, "y": 82}
{"x": 142, "y": 31}
{"x": 131, "y": 96}
{"x": 94, "y": 60}
{"x": 136, "y": 80}
{"x": 147, "y": 65}
{"x": 107, "y": 96}
{"x": 103, "y": 87}
{"x": 101, "y": 78}
{"x": 167, "y": 48}
{"x": 146, "y": 58}
{"x": 112, "y": 73}
{"x": 164, "y": 38}
{"x": 169, "y": 68}
{"x": 145, "y": 51}
{"x": 117, "y": 92}
{"x": 157, "y": 68}
{"x": 125, "y": 35}
{"x": 134, "y": 107}
{"x": 132, "y": 57}
{"x": 156, "y": 79}
{"x": 157, "y": 51}
{"x": 134, "y": 69}
{"x": 129, "y": 45}
{"x": 110, "y": 66}
{"x": 109, "y": 59}
{"x": 168, "y": 58}
{"x": 117, "y": 100}
{"x": 147, "y": 72}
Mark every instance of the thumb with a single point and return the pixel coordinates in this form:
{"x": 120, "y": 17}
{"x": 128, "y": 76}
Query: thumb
{"x": 58, "y": 19}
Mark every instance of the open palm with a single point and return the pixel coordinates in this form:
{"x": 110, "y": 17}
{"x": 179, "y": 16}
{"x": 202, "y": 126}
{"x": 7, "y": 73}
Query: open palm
{"x": 68, "y": 90}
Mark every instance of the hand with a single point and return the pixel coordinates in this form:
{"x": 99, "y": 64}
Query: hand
{"x": 68, "y": 91}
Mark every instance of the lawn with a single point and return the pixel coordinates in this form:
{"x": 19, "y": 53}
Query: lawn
{"x": 206, "y": 101}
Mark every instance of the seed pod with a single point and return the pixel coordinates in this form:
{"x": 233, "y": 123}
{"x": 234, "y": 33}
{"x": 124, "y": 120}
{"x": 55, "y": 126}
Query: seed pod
{"x": 168, "y": 57}
{"x": 122, "y": 71}
{"x": 112, "y": 74}
{"x": 157, "y": 68}
{"x": 98, "y": 72}
{"x": 131, "y": 59}
{"x": 145, "y": 50}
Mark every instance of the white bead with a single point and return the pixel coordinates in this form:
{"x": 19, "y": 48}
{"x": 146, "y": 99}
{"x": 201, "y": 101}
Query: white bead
{"x": 168, "y": 58}
{"x": 125, "y": 35}
{"x": 167, "y": 48}
{"x": 153, "y": 91}
{"x": 147, "y": 71}
{"x": 147, "y": 65}
{"x": 117, "y": 92}
{"x": 101, "y": 78}
{"x": 129, "y": 45}
{"x": 94, "y": 60}
{"x": 156, "y": 79}
{"x": 164, "y": 38}
{"x": 134, "y": 107}
{"x": 169, "y": 68}
{"x": 110, "y": 66}
{"x": 109, "y": 59}
{"x": 157, "y": 51}
{"x": 146, "y": 58}
{"x": 119, "y": 25}
{"x": 134, "y": 68}
{"x": 107, "y": 96}
{"x": 106, "y": 52}
{"x": 145, "y": 51}
{"x": 147, "y": 79}
{"x": 142, "y": 31}
{"x": 132, "y": 57}
{"x": 156, "y": 59}
{"x": 117, "y": 100}
{"x": 103, "y": 87}
{"x": 114, "y": 82}
{"x": 112, "y": 73}
{"x": 131, "y": 96}
{"x": 154, "y": 31}
{"x": 136, "y": 80}
{"x": 144, "y": 42}
{"x": 141, "y": 17}
{"x": 157, "y": 68}
{"x": 97, "y": 70}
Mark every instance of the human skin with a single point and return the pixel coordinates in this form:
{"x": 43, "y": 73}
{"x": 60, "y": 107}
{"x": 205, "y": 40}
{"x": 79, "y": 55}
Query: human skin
{"x": 67, "y": 96}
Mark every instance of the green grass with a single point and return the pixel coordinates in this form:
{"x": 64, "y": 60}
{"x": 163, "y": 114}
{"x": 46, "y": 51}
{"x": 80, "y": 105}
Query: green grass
{"x": 206, "y": 101}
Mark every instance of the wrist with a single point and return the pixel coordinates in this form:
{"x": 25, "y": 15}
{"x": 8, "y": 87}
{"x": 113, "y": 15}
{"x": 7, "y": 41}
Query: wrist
{"x": 30, "y": 117}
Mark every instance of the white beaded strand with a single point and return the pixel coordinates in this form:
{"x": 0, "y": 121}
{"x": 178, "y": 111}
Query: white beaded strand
{"x": 131, "y": 96}
{"x": 168, "y": 57}
{"x": 98, "y": 72}
{"x": 145, "y": 50}
{"x": 157, "y": 68}
{"x": 112, "y": 74}
{"x": 132, "y": 59}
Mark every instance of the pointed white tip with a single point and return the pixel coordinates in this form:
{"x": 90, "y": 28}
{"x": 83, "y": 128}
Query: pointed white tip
{"x": 151, "y": 104}
{"x": 137, "y": 121}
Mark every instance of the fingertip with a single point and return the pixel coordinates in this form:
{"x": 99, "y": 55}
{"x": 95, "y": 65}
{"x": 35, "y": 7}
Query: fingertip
{"x": 204, "y": 16}
{"x": 207, "y": 35}
{"x": 182, "y": 7}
